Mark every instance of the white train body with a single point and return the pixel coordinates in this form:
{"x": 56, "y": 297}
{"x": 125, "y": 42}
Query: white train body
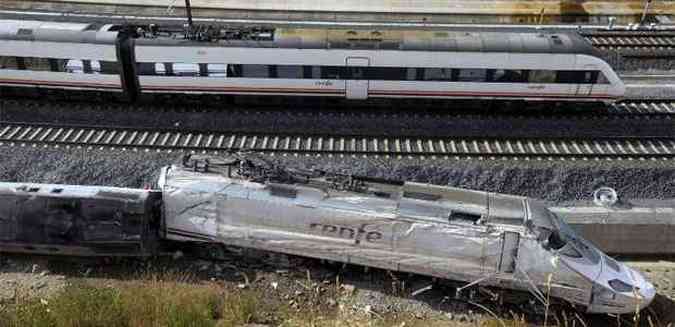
{"x": 491, "y": 239}
{"x": 35, "y": 43}
{"x": 363, "y": 89}
{"x": 471, "y": 64}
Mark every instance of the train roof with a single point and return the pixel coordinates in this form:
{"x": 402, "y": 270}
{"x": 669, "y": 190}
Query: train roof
{"x": 456, "y": 40}
{"x": 30, "y": 30}
{"x": 493, "y": 207}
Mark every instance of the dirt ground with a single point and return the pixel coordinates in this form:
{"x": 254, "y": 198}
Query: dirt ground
{"x": 296, "y": 282}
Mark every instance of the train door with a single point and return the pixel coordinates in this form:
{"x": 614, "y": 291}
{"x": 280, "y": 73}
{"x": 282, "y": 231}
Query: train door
{"x": 509, "y": 253}
{"x": 357, "y": 84}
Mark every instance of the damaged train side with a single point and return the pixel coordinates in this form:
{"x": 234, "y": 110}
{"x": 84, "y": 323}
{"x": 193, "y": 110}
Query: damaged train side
{"x": 473, "y": 237}
{"x": 78, "y": 220}
{"x": 477, "y": 239}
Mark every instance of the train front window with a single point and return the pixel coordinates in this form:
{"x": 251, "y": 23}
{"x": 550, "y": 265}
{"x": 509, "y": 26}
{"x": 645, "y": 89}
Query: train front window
{"x": 602, "y": 79}
{"x": 569, "y": 251}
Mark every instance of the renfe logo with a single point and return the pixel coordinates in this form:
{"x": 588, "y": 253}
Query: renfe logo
{"x": 347, "y": 232}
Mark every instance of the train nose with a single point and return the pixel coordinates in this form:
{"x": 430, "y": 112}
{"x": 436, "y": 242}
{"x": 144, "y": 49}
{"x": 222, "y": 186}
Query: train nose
{"x": 623, "y": 291}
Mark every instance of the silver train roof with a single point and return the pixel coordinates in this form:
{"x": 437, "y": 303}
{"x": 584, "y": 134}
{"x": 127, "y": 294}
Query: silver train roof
{"x": 459, "y": 40}
{"x": 467, "y": 40}
{"x": 492, "y": 207}
{"x": 55, "y": 32}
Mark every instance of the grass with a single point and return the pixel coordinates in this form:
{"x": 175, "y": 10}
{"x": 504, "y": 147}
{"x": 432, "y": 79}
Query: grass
{"x": 155, "y": 302}
{"x": 177, "y": 302}
{"x": 174, "y": 300}
{"x": 135, "y": 304}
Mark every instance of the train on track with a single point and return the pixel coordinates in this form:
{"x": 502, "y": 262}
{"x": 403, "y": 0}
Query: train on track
{"x": 494, "y": 243}
{"x": 136, "y": 63}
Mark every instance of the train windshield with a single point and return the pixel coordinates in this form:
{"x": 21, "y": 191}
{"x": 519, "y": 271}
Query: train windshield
{"x": 554, "y": 233}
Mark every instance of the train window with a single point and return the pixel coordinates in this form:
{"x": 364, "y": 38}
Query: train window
{"x": 8, "y": 63}
{"x": 386, "y": 73}
{"x": 255, "y": 71}
{"x": 621, "y": 287}
{"x": 461, "y": 215}
{"x": 162, "y": 69}
{"x": 292, "y": 72}
{"x": 472, "y": 75}
{"x": 612, "y": 264}
{"x": 507, "y": 76}
{"x": 411, "y": 74}
{"x": 542, "y": 76}
{"x": 149, "y": 68}
{"x": 54, "y": 65}
{"x": 283, "y": 191}
{"x": 592, "y": 77}
{"x": 217, "y": 70}
{"x": 183, "y": 69}
{"x": 234, "y": 70}
{"x": 20, "y": 63}
{"x": 437, "y": 74}
{"x": 602, "y": 79}
{"x": 555, "y": 241}
{"x": 332, "y": 72}
{"x": 310, "y": 72}
{"x": 570, "y": 77}
{"x": 35, "y": 64}
{"x": 356, "y": 73}
{"x": 203, "y": 70}
{"x": 569, "y": 251}
{"x": 83, "y": 66}
{"x": 272, "y": 71}
{"x": 421, "y": 196}
{"x": 110, "y": 67}
{"x": 66, "y": 205}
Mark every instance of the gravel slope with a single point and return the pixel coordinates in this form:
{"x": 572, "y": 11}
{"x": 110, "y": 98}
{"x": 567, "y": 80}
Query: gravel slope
{"x": 552, "y": 181}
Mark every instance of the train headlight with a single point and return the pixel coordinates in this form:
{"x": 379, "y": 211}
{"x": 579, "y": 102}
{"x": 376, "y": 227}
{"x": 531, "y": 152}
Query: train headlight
{"x": 620, "y": 286}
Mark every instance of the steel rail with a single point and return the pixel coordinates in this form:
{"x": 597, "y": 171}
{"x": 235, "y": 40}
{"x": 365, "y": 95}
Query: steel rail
{"x": 625, "y": 109}
{"x": 23, "y": 134}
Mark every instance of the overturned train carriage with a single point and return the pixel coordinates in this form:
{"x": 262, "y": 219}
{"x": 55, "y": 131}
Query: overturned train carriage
{"x": 474, "y": 237}
{"x": 78, "y": 220}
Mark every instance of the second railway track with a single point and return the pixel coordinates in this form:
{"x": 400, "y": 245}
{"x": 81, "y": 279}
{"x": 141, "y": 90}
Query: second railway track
{"x": 637, "y": 44}
{"x": 323, "y": 145}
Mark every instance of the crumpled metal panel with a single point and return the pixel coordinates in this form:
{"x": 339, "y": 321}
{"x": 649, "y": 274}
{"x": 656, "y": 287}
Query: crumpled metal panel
{"x": 401, "y": 233}
{"x": 535, "y": 265}
{"x": 338, "y": 226}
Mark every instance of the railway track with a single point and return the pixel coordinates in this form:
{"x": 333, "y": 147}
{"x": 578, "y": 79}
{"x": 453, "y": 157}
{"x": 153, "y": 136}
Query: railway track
{"x": 642, "y": 107}
{"x": 637, "y": 44}
{"x": 629, "y": 108}
{"x": 14, "y": 134}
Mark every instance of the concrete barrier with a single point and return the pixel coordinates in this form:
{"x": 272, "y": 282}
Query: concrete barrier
{"x": 630, "y": 229}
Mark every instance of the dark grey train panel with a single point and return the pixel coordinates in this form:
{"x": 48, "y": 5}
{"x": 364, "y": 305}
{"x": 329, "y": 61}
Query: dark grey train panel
{"x": 77, "y": 220}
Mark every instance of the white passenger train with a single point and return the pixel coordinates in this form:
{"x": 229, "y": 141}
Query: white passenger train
{"x": 352, "y": 64}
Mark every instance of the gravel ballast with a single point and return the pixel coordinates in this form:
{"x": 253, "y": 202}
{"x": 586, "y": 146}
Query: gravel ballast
{"x": 557, "y": 182}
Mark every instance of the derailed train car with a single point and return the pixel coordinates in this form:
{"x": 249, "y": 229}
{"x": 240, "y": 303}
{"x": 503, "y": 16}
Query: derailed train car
{"x": 476, "y": 239}
{"x": 505, "y": 241}
{"x": 78, "y": 220}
